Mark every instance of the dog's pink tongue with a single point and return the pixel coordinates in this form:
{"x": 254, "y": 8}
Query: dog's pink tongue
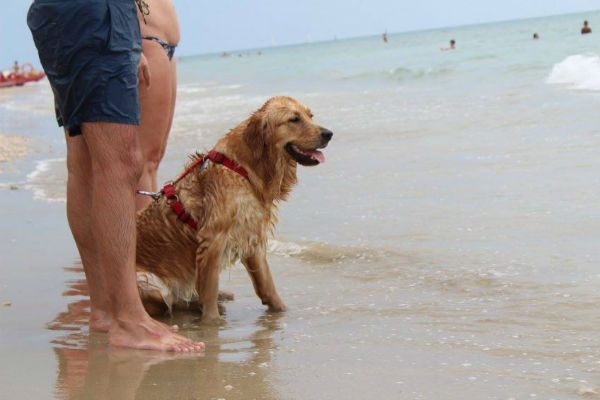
{"x": 317, "y": 155}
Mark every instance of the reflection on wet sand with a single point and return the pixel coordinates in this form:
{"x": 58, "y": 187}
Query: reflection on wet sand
{"x": 236, "y": 364}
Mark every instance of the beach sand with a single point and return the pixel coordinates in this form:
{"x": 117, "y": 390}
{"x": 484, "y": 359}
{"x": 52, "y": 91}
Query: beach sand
{"x": 333, "y": 343}
{"x": 47, "y": 349}
{"x": 12, "y": 147}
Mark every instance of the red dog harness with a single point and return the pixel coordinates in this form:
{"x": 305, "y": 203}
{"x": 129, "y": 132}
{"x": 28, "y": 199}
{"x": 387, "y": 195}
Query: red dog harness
{"x": 169, "y": 189}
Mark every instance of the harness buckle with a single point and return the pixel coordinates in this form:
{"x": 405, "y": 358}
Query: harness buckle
{"x": 154, "y": 195}
{"x": 172, "y": 199}
{"x": 204, "y": 164}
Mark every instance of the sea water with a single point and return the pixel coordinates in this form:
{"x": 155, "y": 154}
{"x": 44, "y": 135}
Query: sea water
{"x": 449, "y": 246}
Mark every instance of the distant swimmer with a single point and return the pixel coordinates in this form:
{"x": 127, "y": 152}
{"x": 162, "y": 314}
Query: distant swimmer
{"x": 384, "y": 37}
{"x": 452, "y": 46}
{"x": 536, "y": 36}
{"x": 586, "y": 29}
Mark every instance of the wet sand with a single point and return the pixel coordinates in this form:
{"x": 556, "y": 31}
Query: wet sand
{"x": 12, "y": 147}
{"x": 361, "y": 324}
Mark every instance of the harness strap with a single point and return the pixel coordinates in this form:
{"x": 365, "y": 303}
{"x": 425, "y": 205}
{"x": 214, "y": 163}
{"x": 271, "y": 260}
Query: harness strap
{"x": 177, "y": 206}
{"x": 220, "y": 158}
{"x": 169, "y": 189}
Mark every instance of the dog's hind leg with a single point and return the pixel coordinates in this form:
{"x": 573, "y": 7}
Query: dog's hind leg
{"x": 155, "y": 294}
{"x": 260, "y": 273}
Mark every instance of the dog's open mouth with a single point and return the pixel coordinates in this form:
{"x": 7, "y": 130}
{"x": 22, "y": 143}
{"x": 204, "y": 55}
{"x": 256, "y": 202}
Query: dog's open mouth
{"x": 305, "y": 157}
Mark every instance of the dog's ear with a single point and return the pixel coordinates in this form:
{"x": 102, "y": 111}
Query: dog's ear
{"x": 258, "y": 136}
{"x": 255, "y": 136}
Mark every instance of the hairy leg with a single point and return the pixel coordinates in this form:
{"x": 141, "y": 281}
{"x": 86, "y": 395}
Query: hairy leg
{"x": 79, "y": 207}
{"x": 115, "y": 160}
{"x": 260, "y": 273}
{"x": 157, "y": 104}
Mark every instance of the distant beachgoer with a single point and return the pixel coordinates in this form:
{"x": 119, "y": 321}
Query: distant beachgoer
{"x": 586, "y": 28}
{"x": 384, "y": 37}
{"x": 160, "y": 34}
{"x": 452, "y": 46}
{"x": 536, "y": 36}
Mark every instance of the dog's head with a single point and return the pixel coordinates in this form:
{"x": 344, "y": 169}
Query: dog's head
{"x": 283, "y": 127}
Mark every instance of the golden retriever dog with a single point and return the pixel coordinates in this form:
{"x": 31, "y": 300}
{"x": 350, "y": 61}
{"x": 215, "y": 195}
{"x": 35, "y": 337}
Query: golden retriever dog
{"x": 234, "y": 213}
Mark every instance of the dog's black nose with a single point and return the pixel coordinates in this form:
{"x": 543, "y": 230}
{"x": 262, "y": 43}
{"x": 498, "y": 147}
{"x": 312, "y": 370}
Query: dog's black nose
{"x": 326, "y": 134}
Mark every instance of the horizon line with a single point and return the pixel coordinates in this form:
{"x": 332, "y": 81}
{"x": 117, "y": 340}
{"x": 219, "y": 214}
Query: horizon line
{"x": 246, "y": 49}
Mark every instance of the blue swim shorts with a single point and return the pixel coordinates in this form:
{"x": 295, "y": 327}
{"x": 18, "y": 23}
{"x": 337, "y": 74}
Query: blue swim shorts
{"x": 90, "y": 50}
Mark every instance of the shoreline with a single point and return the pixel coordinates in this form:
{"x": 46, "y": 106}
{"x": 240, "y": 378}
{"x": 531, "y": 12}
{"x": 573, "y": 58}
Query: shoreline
{"x": 13, "y": 147}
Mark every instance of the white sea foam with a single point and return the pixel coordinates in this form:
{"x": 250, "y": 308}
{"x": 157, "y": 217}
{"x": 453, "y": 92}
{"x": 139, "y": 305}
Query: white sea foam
{"x": 47, "y": 180}
{"x": 191, "y": 89}
{"x": 285, "y": 249}
{"x": 580, "y": 72}
{"x": 35, "y": 98}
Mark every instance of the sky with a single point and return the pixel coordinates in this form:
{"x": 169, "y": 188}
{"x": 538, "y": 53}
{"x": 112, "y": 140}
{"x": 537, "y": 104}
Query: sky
{"x": 214, "y": 26}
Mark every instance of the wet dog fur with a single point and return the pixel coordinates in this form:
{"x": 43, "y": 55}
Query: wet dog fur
{"x": 178, "y": 266}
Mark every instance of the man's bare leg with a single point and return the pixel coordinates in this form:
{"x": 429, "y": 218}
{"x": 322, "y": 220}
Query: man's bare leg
{"x": 79, "y": 206}
{"x": 115, "y": 160}
{"x": 79, "y": 214}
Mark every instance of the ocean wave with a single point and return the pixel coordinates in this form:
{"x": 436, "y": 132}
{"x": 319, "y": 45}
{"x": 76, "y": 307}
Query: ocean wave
{"x": 195, "y": 88}
{"x": 32, "y": 98}
{"x": 195, "y": 114}
{"x": 581, "y": 72}
{"x": 321, "y": 253}
{"x": 48, "y": 180}
{"x": 400, "y": 74}
{"x": 192, "y": 90}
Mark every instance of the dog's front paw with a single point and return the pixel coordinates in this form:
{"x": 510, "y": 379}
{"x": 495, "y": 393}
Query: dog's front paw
{"x": 276, "y": 306}
{"x": 213, "y": 321}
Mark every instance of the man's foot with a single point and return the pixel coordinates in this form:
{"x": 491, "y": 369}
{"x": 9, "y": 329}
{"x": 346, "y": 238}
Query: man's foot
{"x": 150, "y": 335}
{"x": 100, "y": 322}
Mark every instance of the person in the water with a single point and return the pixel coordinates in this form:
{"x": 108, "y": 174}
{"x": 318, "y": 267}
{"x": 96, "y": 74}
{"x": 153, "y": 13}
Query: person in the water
{"x": 452, "y": 46}
{"x": 586, "y": 28}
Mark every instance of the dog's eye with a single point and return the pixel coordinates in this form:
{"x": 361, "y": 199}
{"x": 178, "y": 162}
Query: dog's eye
{"x": 294, "y": 119}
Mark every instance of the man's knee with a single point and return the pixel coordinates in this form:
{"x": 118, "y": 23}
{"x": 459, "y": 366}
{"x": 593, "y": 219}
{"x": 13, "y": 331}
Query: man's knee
{"x": 152, "y": 159}
{"x": 115, "y": 150}
{"x": 79, "y": 164}
{"x": 133, "y": 157}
